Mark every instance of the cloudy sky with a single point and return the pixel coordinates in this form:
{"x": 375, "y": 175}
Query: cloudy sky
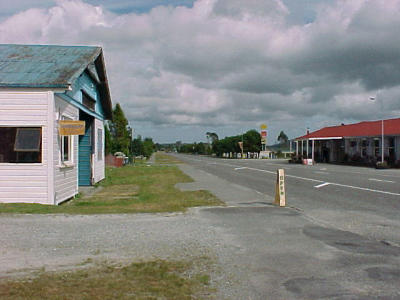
{"x": 181, "y": 68}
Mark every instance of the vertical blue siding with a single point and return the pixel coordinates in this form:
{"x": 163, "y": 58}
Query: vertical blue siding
{"x": 85, "y": 151}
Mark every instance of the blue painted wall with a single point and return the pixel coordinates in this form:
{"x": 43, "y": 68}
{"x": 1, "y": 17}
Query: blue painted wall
{"x": 86, "y": 83}
{"x": 85, "y": 150}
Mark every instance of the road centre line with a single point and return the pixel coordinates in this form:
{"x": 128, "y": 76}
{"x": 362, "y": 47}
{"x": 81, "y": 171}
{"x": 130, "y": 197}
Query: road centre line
{"x": 316, "y": 180}
{"x": 320, "y": 181}
{"x": 381, "y": 180}
{"x": 321, "y": 185}
{"x": 240, "y": 168}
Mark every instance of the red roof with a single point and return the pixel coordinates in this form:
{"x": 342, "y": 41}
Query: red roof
{"x": 370, "y": 128}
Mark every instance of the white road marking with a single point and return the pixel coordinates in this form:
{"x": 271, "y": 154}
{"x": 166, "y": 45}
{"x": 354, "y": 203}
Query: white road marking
{"x": 240, "y": 168}
{"x": 321, "y": 185}
{"x": 381, "y": 180}
{"x": 320, "y": 181}
{"x": 320, "y": 172}
{"x": 331, "y": 183}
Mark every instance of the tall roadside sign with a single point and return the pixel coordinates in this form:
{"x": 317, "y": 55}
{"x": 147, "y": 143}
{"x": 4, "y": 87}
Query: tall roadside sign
{"x": 263, "y": 128}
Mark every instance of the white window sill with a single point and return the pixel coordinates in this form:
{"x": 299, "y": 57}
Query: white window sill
{"x": 66, "y": 165}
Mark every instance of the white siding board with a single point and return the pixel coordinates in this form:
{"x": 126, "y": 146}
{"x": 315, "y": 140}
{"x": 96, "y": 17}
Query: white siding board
{"x": 23, "y": 118}
{"x": 65, "y": 179}
{"x": 18, "y": 171}
{"x": 25, "y": 183}
{"x": 17, "y": 106}
{"x": 40, "y": 113}
{"x": 21, "y": 183}
{"x": 98, "y": 165}
{"x": 24, "y": 178}
{"x": 27, "y": 200}
{"x": 22, "y": 123}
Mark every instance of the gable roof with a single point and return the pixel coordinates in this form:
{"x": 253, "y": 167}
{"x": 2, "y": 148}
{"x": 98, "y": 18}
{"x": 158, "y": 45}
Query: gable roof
{"x": 367, "y": 128}
{"x": 51, "y": 66}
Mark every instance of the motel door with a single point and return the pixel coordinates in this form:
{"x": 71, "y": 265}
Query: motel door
{"x": 85, "y": 151}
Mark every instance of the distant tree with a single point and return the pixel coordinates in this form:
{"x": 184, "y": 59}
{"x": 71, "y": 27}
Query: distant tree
{"x": 137, "y": 146}
{"x": 121, "y": 140}
{"x": 212, "y": 136}
{"x": 252, "y": 141}
{"x": 282, "y": 138}
{"x": 178, "y": 145}
{"x": 148, "y": 147}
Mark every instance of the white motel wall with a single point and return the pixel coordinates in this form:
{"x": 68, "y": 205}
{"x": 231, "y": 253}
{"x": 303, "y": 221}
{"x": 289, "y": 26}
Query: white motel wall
{"x": 49, "y": 181}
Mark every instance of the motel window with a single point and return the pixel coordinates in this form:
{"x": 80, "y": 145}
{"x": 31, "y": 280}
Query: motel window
{"x": 364, "y": 145}
{"x": 377, "y": 148}
{"x": 20, "y": 144}
{"x": 66, "y": 146}
{"x": 99, "y": 144}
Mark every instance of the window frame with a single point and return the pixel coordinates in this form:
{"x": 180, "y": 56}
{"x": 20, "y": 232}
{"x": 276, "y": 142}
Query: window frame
{"x": 24, "y": 126}
{"x": 70, "y": 161}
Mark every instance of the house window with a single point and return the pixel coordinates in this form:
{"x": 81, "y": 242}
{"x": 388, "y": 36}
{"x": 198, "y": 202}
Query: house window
{"x": 99, "y": 144}
{"x": 88, "y": 101}
{"x": 66, "y": 147}
{"x": 20, "y": 144}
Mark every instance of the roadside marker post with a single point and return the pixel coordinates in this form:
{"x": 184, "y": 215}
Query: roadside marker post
{"x": 280, "y": 195}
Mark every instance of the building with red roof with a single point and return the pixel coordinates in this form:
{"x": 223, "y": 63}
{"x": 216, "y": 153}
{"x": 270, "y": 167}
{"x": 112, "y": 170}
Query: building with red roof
{"x": 354, "y": 143}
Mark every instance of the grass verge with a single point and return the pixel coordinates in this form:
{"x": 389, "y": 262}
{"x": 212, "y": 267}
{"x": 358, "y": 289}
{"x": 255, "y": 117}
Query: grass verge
{"x": 131, "y": 189}
{"x": 162, "y": 158}
{"x": 146, "y": 280}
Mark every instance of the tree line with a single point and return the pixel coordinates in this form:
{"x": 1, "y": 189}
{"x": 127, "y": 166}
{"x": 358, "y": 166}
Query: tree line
{"x": 118, "y": 137}
{"x": 251, "y": 143}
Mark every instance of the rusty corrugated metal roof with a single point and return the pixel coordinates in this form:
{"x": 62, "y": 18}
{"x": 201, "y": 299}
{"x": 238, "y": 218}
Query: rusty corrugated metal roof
{"x": 43, "y": 65}
{"x": 51, "y": 66}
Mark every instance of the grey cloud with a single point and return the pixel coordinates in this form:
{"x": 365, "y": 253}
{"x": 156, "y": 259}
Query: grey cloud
{"x": 238, "y": 8}
{"x": 228, "y": 65}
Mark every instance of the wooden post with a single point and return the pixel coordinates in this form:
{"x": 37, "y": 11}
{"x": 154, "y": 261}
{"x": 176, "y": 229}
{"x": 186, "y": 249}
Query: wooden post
{"x": 280, "y": 195}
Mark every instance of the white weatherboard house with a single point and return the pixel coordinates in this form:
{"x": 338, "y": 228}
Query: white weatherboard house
{"x": 39, "y": 87}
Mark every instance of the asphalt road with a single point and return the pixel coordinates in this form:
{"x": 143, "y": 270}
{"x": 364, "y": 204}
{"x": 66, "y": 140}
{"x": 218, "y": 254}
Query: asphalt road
{"x": 363, "y": 200}
{"x": 332, "y": 241}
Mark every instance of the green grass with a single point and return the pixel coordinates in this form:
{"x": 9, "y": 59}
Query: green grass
{"x": 131, "y": 189}
{"x": 162, "y": 158}
{"x": 146, "y": 280}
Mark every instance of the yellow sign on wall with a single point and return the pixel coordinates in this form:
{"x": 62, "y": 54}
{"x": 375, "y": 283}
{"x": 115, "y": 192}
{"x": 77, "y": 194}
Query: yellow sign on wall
{"x": 69, "y": 127}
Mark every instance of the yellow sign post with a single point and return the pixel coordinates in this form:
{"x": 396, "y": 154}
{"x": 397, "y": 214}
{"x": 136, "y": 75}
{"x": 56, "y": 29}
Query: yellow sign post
{"x": 70, "y": 127}
{"x": 263, "y": 126}
{"x": 280, "y": 195}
